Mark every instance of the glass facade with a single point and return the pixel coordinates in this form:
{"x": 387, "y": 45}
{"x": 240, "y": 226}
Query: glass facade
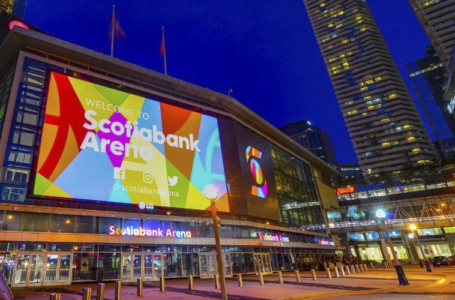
{"x": 298, "y": 199}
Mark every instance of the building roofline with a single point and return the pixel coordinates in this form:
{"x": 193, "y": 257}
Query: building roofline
{"x": 20, "y": 39}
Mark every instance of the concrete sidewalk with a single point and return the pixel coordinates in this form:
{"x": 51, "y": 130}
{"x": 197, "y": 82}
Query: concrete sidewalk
{"x": 371, "y": 281}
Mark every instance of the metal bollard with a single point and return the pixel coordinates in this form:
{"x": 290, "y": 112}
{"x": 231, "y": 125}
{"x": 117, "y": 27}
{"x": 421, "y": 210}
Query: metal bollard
{"x": 371, "y": 264}
{"x": 87, "y": 294}
{"x": 329, "y": 275}
{"x": 240, "y": 280}
{"x": 190, "y": 283}
{"x": 337, "y": 274}
{"x": 162, "y": 284}
{"x": 347, "y": 270}
{"x": 352, "y": 269}
{"x": 217, "y": 282}
{"x": 100, "y": 291}
{"x": 140, "y": 288}
{"x": 342, "y": 271}
{"x": 357, "y": 268}
{"x": 55, "y": 297}
{"x": 118, "y": 290}
{"x": 280, "y": 277}
{"x": 313, "y": 274}
{"x": 261, "y": 279}
{"x": 297, "y": 275}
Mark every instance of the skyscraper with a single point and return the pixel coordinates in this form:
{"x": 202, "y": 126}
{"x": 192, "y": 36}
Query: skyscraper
{"x": 312, "y": 138}
{"x": 428, "y": 77}
{"x": 384, "y": 125}
{"x": 437, "y": 19}
{"x": 14, "y": 7}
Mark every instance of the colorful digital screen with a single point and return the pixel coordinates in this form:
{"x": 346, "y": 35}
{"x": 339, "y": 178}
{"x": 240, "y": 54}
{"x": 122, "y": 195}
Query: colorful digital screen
{"x": 103, "y": 144}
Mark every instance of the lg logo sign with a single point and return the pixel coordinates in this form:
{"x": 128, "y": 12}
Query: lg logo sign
{"x": 253, "y": 156}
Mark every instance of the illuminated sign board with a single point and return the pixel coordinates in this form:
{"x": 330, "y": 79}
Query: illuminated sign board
{"x": 253, "y": 156}
{"x": 159, "y": 232}
{"x": 268, "y": 237}
{"x": 17, "y": 23}
{"x": 103, "y": 144}
{"x": 327, "y": 243}
{"x": 345, "y": 190}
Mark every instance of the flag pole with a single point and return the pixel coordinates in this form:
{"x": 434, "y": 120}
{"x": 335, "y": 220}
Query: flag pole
{"x": 164, "y": 52}
{"x": 112, "y": 31}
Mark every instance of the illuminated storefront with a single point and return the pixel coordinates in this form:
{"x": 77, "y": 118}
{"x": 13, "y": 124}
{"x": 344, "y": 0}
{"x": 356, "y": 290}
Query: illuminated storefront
{"x": 104, "y": 172}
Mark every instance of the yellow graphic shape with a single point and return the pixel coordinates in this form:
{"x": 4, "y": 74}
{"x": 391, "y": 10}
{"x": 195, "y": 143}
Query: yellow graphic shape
{"x": 157, "y": 167}
{"x": 47, "y": 142}
{"x": 92, "y": 99}
{"x": 53, "y": 190}
{"x": 69, "y": 153}
{"x": 197, "y": 200}
{"x": 53, "y": 99}
{"x": 133, "y": 104}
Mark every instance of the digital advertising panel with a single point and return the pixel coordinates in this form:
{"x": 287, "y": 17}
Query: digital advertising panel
{"x": 103, "y": 144}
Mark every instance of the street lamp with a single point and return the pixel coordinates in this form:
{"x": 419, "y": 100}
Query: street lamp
{"x": 411, "y": 236}
{"x": 212, "y": 193}
{"x": 413, "y": 228}
{"x": 380, "y": 214}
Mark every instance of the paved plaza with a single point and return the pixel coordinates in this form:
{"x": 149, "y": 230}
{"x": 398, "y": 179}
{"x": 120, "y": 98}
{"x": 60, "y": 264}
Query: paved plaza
{"x": 374, "y": 284}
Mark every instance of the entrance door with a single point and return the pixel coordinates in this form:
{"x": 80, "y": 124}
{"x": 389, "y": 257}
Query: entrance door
{"x": 262, "y": 263}
{"x": 208, "y": 265}
{"x": 38, "y": 268}
{"x": 148, "y": 266}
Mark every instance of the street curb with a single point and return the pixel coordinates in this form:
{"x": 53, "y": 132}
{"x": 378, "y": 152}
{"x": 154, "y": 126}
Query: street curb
{"x": 441, "y": 281}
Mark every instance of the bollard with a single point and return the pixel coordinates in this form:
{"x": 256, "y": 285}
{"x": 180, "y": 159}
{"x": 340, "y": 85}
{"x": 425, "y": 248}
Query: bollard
{"x": 55, "y": 297}
{"x": 329, "y": 275}
{"x": 313, "y": 274}
{"x": 118, "y": 290}
{"x": 280, "y": 277}
{"x": 365, "y": 268}
{"x": 162, "y": 284}
{"x": 371, "y": 264}
{"x": 337, "y": 274}
{"x": 361, "y": 268}
{"x": 357, "y": 268}
{"x": 100, "y": 291}
{"x": 342, "y": 271}
{"x": 190, "y": 283}
{"x": 240, "y": 280}
{"x": 140, "y": 288}
{"x": 217, "y": 282}
{"x": 261, "y": 279}
{"x": 297, "y": 275}
{"x": 352, "y": 269}
{"x": 87, "y": 294}
{"x": 347, "y": 270}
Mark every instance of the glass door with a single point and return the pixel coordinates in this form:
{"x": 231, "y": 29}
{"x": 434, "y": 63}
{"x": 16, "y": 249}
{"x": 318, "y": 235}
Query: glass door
{"x": 262, "y": 263}
{"x": 148, "y": 266}
{"x": 37, "y": 268}
{"x": 208, "y": 265}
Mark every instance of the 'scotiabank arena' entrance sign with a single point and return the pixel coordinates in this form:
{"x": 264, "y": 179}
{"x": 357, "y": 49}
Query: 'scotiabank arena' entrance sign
{"x": 104, "y": 144}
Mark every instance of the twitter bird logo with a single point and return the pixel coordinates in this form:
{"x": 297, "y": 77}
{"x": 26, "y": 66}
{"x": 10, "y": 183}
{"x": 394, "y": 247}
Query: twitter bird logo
{"x": 172, "y": 180}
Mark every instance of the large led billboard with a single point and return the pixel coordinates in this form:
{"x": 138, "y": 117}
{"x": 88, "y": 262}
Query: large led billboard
{"x": 103, "y": 144}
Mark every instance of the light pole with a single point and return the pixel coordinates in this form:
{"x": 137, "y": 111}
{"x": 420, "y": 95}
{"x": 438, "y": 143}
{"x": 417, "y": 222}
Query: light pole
{"x": 413, "y": 228}
{"x": 211, "y": 193}
{"x": 411, "y": 236}
{"x": 380, "y": 214}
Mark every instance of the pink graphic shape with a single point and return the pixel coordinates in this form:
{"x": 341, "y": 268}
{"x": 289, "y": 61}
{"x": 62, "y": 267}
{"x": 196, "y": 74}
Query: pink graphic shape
{"x": 123, "y": 139}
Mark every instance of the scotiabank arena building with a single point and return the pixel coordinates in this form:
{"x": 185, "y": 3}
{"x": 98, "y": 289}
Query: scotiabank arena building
{"x": 104, "y": 165}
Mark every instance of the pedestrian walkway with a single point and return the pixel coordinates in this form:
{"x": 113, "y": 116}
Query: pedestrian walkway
{"x": 373, "y": 281}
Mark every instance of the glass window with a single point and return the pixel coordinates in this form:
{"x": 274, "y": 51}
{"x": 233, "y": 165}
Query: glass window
{"x": 85, "y": 224}
{"x": 10, "y": 220}
{"x": 62, "y": 223}
{"x": 35, "y": 222}
{"x": 105, "y": 223}
{"x": 152, "y": 224}
{"x": 109, "y": 248}
{"x": 135, "y": 223}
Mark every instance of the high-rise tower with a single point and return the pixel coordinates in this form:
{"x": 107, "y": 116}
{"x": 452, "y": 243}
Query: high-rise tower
{"x": 383, "y": 123}
{"x": 437, "y": 18}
